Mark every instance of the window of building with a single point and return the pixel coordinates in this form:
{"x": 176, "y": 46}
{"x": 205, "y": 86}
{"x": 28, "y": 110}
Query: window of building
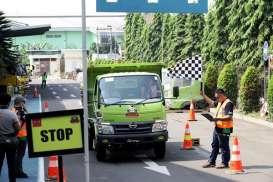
{"x": 53, "y": 36}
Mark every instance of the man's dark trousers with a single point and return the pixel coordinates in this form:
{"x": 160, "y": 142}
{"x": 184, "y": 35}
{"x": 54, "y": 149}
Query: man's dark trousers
{"x": 220, "y": 141}
{"x": 20, "y": 155}
{"x": 9, "y": 150}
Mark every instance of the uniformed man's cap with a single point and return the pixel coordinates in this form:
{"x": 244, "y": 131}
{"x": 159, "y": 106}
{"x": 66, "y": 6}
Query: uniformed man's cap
{"x": 19, "y": 99}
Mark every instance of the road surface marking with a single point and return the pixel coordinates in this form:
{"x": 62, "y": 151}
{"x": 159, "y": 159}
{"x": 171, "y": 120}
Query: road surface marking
{"x": 76, "y": 87}
{"x": 154, "y": 166}
{"x": 54, "y": 93}
{"x": 72, "y": 95}
{"x": 65, "y": 89}
{"x": 57, "y": 97}
{"x": 50, "y": 88}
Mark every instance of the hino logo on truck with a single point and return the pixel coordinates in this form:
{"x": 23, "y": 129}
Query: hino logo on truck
{"x": 132, "y": 109}
{"x": 133, "y": 126}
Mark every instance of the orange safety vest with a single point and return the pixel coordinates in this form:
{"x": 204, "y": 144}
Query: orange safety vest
{"x": 220, "y": 113}
{"x": 23, "y": 131}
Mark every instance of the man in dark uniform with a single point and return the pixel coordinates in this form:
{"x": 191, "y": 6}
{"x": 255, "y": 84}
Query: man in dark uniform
{"x": 223, "y": 128}
{"x": 9, "y": 127}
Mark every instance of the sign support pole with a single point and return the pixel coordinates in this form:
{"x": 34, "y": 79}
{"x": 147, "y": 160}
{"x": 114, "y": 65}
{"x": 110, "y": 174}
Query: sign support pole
{"x": 60, "y": 168}
{"x": 85, "y": 108}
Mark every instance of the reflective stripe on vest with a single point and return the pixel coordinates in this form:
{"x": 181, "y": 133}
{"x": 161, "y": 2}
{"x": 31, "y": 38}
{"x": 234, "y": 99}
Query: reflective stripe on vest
{"x": 221, "y": 114}
{"x": 23, "y": 131}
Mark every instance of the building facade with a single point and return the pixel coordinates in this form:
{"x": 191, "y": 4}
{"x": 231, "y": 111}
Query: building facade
{"x": 57, "y": 51}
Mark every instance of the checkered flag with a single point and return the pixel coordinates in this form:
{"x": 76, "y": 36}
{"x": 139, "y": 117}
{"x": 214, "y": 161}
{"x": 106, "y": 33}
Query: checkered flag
{"x": 190, "y": 68}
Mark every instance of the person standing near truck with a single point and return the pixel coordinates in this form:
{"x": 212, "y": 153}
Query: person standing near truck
{"x": 21, "y": 111}
{"x": 44, "y": 78}
{"x": 9, "y": 127}
{"x": 223, "y": 128}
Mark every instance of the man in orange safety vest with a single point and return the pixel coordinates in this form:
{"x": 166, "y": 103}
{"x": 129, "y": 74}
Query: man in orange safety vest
{"x": 223, "y": 128}
{"x": 21, "y": 111}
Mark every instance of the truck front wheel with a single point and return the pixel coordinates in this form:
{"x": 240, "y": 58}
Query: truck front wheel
{"x": 160, "y": 150}
{"x": 100, "y": 153}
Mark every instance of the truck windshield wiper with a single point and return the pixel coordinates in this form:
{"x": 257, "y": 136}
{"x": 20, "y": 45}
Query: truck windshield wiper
{"x": 144, "y": 100}
{"x": 118, "y": 102}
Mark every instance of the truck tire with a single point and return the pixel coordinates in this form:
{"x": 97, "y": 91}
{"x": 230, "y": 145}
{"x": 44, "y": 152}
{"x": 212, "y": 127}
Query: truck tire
{"x": 91, "y": 138}
{"x": 160, "y": 150}
{"x": 100, "y": 153}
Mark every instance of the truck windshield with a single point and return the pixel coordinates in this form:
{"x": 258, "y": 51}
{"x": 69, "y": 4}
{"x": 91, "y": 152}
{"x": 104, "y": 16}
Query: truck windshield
{"x": 130, "y": 89}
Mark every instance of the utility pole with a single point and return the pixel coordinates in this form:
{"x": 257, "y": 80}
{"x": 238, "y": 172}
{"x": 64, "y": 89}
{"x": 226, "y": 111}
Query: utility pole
{"x": 85, "y": 103}
{"x": 98, "y": 49}
{"x": 111, "y": 41}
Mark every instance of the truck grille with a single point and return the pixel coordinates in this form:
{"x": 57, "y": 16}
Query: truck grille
{"x": 133, "y": 128}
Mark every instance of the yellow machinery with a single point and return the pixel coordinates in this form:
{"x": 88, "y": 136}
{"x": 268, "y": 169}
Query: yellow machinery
{"x": 15, "y": 83}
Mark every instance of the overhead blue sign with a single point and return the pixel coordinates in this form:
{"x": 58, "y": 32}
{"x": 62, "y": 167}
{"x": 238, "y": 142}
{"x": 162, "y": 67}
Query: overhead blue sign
{"x": 150, "y": 6}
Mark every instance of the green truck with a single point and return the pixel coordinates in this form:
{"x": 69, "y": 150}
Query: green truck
{"x": 126, "y": 108}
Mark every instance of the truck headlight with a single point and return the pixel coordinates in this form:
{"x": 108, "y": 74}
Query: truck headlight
{"x": 105, "y": 128}
{"x": 160, "y": 125}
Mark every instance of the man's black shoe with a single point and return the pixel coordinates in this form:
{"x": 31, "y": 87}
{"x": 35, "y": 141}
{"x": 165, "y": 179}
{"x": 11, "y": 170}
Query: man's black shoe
{"x": 208, "y": 165}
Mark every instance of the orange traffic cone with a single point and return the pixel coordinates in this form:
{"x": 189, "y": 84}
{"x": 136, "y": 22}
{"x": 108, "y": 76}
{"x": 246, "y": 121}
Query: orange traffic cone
{"x": 235, "y": 164}
{"x": 53, "y": 167}
{"x": 192, "y": 112}
{"x": 46, "y": 106}
{"x": 187, "y": 144}
{"x": 35, "y": 92}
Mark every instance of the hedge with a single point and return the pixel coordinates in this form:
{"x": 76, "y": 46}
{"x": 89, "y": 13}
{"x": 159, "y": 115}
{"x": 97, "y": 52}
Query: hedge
{"x": 270, "y": 97}
{"x": 228, "y": 80}
{"x": 249, "y": 92}
{"x": 210, "y": 79}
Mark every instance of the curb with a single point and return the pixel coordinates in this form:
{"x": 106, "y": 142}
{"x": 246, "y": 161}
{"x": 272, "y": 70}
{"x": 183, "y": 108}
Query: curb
{"x": 248, "y": 119}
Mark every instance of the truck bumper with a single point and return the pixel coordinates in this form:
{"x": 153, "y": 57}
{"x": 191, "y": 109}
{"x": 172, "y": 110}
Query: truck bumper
{"x": 132, "y": 139}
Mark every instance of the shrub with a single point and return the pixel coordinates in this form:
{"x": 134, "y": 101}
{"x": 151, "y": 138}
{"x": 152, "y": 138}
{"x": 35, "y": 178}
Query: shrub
{"x": 270, "y": 97}
{"x": 227, "y": 80}
{"x": 210, "y": 79}
{"x": 249, "y": 90}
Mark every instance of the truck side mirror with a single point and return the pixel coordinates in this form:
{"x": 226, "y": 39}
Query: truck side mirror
{"x": 175, "y": 92}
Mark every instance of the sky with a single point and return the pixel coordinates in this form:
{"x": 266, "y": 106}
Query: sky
{"x": 58, "y": 7}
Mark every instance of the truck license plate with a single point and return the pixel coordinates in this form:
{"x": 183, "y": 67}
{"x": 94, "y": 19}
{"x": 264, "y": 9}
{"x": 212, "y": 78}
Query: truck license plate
{"x": 133, "y": 141}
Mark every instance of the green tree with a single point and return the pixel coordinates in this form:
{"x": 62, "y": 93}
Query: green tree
{"x": 270, "y": 97}
{"x": 250, "y": 24}
{"x": 144, "y": 44}
{"x": 24, "y": 56}
{"x": 138, "y": 27}
{"x": 219, "y": 38}
{"x": 178, "y": 40}
{"x": 8, "y": 58}
{"x": 155, "y": 37}
{"x": 169, "y": 37}
{"x": 228, "y": 80}
{"x": 236, "y": 39}
{"x": 208, "y": 35}
{"x": 128, "y": 35}
{"x": 210, "y": 79}
{"x": 166, "y": 30}
{"x": 249, "y": 92}
{"x": 193, "y": 36}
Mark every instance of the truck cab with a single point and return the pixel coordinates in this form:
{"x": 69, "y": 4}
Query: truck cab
{"x": 129, "y": 111}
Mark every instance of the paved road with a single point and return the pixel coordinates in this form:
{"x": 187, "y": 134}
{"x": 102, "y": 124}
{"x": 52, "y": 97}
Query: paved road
{"x": 255, "y": 140}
